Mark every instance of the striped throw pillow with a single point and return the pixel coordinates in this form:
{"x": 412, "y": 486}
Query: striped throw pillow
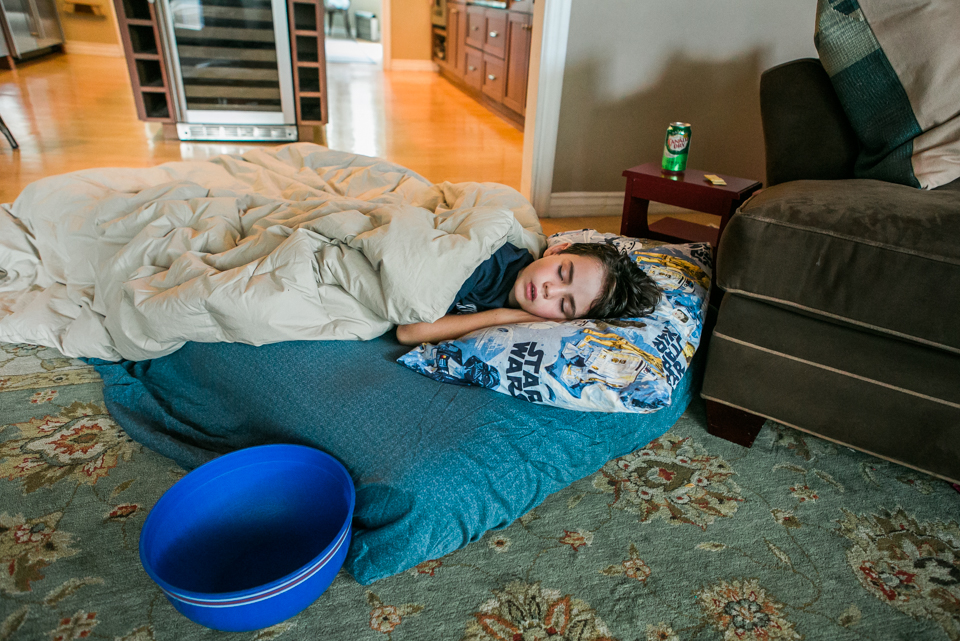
{"x": 895, "y": 65}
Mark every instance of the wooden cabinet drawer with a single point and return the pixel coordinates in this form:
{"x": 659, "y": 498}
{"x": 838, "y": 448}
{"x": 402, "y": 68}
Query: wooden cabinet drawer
{"x": 476, "y": 26}
{"x": 456, "y": 25}
{"x": 495, "y": 40}
{"x": 519, "y": 35}
{"x": 488, "y": 53}
{"x": 473, "y": 68}
{"x": 493, "y": 77}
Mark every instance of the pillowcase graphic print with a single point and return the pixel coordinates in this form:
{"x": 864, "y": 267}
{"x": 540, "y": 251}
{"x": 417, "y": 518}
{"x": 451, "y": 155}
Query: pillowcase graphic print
{"x": 611, "y": 365}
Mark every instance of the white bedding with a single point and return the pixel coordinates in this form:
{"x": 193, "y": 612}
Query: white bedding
{"x": 292, "y": 243}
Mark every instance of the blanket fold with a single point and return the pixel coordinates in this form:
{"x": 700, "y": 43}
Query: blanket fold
{"x": 293, "y": 243}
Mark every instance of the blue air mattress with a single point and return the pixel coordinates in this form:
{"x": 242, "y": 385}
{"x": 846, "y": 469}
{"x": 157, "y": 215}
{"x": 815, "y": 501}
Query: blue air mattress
{"x": 435, "y": 465}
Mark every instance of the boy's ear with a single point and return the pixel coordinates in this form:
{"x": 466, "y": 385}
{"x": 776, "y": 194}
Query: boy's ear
{"x": 550, "y": 251}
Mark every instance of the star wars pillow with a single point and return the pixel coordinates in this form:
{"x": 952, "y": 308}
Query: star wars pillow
{"x": 623, "y": 365}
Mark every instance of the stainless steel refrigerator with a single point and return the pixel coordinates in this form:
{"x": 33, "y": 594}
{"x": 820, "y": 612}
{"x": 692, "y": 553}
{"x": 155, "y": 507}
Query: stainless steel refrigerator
{"x": 33, "y": 25}
{"x": 231, "y": 68}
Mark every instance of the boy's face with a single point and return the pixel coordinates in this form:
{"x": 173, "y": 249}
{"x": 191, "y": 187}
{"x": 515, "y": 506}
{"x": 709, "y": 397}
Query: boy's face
{"x": 558, "y": 286}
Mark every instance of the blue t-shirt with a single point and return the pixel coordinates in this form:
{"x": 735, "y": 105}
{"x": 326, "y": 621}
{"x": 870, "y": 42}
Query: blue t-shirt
{"x": 490, "y": 284}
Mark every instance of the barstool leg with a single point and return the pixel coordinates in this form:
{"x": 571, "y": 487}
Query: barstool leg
{"x": 6, "y": 132}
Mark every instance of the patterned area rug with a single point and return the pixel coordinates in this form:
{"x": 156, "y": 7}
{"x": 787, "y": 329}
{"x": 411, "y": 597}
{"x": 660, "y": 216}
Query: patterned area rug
{"x": 691, "y": 538}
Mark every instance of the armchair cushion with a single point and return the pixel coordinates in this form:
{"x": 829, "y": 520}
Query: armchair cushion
{"x": 892, "y": 398}
{"x": 878, "y": 255}
{"x": 895, "y": 66}
{"x": 806, "y": 133}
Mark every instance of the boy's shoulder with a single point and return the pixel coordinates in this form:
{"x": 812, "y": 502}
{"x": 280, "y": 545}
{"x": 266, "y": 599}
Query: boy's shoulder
{"x": 490, "y": 284}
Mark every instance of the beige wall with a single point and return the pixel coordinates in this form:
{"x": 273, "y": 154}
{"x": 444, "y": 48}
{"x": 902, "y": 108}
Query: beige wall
{"x": 634, "y": 66}
{"x": 84, "y": 27}
{"x": 410, "y": 32}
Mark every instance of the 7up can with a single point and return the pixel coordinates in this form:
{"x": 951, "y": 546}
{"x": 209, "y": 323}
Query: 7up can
{"x": 675, "y": 147}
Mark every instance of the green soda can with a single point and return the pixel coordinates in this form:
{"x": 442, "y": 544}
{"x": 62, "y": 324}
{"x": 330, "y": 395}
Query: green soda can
{"x": 675, "y": 147}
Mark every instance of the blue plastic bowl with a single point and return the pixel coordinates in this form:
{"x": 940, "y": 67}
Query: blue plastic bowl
{"x": 251, "y": 538}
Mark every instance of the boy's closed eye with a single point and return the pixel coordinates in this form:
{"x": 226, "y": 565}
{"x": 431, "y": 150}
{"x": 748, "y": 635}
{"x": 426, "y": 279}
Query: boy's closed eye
{"x": 568, "y": 306}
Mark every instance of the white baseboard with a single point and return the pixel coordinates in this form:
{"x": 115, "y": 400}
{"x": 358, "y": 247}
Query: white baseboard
{"x": 570, "y": 204}
{"x": 404, "y": 64}
{"x": 93, "y": 49}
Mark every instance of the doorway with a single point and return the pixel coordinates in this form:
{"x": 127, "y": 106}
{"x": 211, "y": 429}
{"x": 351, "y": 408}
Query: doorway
{"x": 395, "y": 114}
{"x": 352, "y": 29}
{"x": 409, "y": 114}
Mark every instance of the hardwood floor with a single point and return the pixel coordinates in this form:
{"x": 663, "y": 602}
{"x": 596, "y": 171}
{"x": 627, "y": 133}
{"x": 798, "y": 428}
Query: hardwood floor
{"x": 71, "y": 112}
{"x": 421, "y": 121}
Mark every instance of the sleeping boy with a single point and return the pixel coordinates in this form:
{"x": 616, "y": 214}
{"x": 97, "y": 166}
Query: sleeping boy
{"x": 582, "y": 280}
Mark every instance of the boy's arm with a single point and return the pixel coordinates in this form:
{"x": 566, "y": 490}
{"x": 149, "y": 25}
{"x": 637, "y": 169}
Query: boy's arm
{"x": 456, "y": 325}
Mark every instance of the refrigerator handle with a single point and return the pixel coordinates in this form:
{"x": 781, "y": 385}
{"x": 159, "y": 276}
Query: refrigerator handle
{"x": 168, "y": 49}
{"x": 36, "y": 29}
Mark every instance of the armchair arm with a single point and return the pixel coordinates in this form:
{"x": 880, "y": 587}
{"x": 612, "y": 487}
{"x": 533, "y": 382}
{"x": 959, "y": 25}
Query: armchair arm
{"x": 806, "y": 134}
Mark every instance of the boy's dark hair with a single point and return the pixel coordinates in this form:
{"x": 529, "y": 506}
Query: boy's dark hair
{"x": 627, "y": 291}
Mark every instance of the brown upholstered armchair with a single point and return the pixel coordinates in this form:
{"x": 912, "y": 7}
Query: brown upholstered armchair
{"x": 841, "y": 312}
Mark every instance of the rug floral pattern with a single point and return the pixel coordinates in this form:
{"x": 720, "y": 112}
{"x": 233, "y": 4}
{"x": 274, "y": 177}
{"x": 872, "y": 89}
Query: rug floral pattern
{"x": 689, "y": 538}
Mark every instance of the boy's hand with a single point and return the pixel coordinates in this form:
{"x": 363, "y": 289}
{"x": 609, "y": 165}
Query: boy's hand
{"x": 454, "y": 326}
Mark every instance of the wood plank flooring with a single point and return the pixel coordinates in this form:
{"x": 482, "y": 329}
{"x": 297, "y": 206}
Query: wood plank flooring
{"x": 72, "y": 112}
{"x": 420, "y": 121}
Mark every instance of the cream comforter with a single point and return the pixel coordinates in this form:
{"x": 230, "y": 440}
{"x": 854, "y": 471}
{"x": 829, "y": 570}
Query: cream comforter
{"x": 293, "y": 243}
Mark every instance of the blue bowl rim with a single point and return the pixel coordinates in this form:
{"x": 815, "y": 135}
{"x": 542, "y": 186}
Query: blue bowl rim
{"x": 228, "y": 601}
{"x": 213, "y": 470}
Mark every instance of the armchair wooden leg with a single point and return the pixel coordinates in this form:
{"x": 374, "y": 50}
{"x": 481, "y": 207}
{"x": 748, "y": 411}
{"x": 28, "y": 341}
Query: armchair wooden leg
{"x": 732, "y": 424}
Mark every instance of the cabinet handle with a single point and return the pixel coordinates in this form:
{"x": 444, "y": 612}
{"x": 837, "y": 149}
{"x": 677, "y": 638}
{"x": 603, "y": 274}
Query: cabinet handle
{"x": 494, "y": 34}
{"x": 471, "y": 68}
{"x": 476, "y": 28}
{"x": 528, "y": 27}
{"x": 491, "y": 77}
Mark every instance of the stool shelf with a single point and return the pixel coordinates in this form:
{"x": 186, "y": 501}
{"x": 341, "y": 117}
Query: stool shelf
{"x": 690, "y": 190}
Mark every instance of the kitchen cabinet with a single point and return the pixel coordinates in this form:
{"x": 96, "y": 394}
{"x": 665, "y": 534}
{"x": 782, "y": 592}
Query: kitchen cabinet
{"x": 473, "y": 73}
{"x": 476, "y": 22}
{"x": 456, "y": 32}
{"x": 495, "y": 33}
{"x": 493, "y": 72}
{"x": 486, "y": 53}
{"x": 519, "y": 36}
